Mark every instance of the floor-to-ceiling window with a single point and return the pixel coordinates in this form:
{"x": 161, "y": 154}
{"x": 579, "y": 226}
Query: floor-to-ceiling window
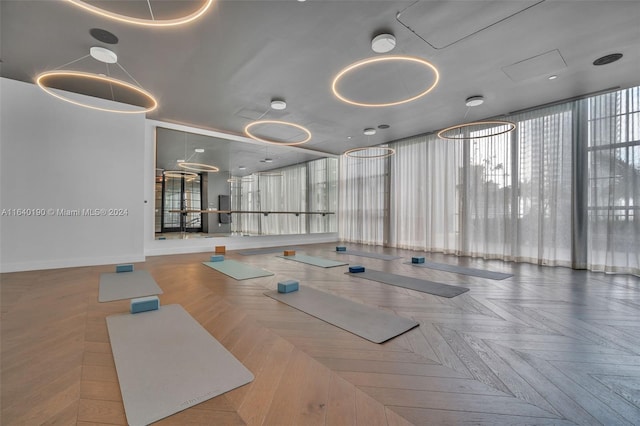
{"x": 426, "y": 177}
{"x": 363, "y": 198}
{"x": 512, "y": 196}
{"x": 296, "y": 199}
{"x": 322, "y": 194}
{"x": 614, "y": 181}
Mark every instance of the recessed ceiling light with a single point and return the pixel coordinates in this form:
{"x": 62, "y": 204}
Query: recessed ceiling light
{"x": 474, "y": 101}
{"x": 383, "y": 43}
{"x": 180, "y": 161}
{"x": 349, "y": 137}
{"x": 553, "y": 77}
{"x": 383, "y": 126}
{"x": 278, "y": 104}
{"x": 199, "y": 150}
{"x": 241, "y": 167}
{"x": 369, "y": 131}
{"x": 268, "y": 160}
{"x": 607, "y": 59}
{"x": 103, "y": 54}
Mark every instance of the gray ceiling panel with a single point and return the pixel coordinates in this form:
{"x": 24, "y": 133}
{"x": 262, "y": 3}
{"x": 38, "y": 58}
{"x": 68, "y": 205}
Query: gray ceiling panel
{"x": 221, "y": 71}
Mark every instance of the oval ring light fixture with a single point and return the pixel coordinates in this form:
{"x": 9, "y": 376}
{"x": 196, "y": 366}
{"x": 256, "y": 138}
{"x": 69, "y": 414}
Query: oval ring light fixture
{"x": 442, "y": 133}
{"x": 377, "y": 59}
{"x": 180, "y": 174}
{"x": 247, "y": 131}
{"x": 47, "y": 78}
{"x": 387, "y": 152}
{"x": 199, "y": 167}
{"x": 144, "y": 22}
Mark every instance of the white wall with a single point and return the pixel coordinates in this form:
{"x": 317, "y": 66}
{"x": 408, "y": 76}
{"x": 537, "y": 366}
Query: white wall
{"x": 55, "y": 155}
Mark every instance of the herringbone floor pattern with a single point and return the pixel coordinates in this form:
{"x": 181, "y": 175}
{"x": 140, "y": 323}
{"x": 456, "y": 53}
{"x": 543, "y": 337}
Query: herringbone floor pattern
{"x": 548, "y": 346}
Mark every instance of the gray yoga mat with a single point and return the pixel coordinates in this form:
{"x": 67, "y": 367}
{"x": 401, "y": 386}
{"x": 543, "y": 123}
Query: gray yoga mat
{"x": 238, "y": 270}
{"x": 462, "y": 270}
{"x": 126, "y": 285}
{"x": 167, "y": 362}
{"x": 365, "y": 321}
{"x": 315, "y": 261}
{"x": 266, "y": 250}
{"x": 424, "y": 286}
{"x": 369, "y": 254}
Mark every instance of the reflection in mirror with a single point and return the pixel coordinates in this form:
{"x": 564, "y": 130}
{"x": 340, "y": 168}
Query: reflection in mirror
{"x": 259, "y": 190}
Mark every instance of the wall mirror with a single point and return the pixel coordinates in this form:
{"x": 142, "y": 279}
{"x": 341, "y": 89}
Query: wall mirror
{"x": 213, "y": 187}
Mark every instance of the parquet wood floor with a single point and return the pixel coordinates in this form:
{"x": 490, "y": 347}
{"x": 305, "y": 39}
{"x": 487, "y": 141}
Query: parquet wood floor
{"x": 548, "y": 346}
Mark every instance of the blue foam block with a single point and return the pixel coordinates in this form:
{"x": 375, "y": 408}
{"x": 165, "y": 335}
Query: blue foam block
{"x": 341, "y": 248}
{"x": 356, "y": 269}
{"x": 144, "y": 304}
{"x": 217, "y": 258}
{"x": 287, "y": 286}
{"x": 128, "y": 267}
{"x": 417, "y": 259}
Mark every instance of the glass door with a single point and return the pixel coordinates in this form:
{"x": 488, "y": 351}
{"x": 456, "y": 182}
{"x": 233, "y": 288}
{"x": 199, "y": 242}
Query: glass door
{"x": 181, "y": 193}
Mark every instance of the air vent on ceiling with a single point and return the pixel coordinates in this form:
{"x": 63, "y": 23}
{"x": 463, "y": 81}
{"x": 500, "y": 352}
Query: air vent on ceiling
{"x": 103, "y": 36}
{"x": 607, "y": 59}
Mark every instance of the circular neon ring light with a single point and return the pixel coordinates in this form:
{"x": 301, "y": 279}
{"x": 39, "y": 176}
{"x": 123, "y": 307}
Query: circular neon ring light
{"x": 41, "y": 81}
{"x": 199, "y": 167}
{"x": 389, "y": 152}
{"x": 139, "y": 21}
{"x": 247, "y": 131}
{"x": 510, "y": 128}
{"x": 376, "y": 59}
{"x": 179, "y": 174}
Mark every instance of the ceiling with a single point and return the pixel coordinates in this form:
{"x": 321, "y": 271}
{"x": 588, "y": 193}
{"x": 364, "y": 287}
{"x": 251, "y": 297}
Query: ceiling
{"x": 221, "y": 71}
{"x": 227, "y": 155}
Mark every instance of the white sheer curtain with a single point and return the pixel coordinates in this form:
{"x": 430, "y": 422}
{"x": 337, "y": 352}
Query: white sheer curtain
{"x": 614, "y": 182}
{"x": 249, "y": 224}
{"x": 425, "y": 182}
{"x": 283, "y": 189}
{"x": 487, "y": 195}
{"x": 323, "y": 181}
{"x": 362, "y": 205}
{"x": 543, "y": 201}
{"x": 506, "y": 196}
{"x": 518, "y": 190}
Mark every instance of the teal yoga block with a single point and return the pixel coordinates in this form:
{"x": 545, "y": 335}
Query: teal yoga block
{"x": 124, "y": 268}
{"x": 217, "y": 258}
{"x": 341, "y": 248}
{"x": 354, "y": 269}
{"x": 287, "y": 286}
{"x": 419, "y": 259}
{"x": 144, "y": 304}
